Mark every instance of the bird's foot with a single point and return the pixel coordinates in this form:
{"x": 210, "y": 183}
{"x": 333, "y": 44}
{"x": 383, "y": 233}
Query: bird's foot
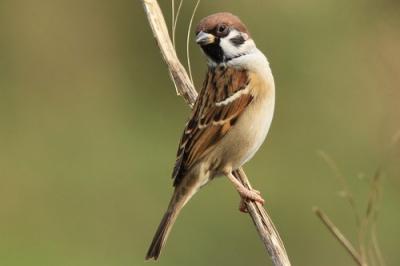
{"x": 243, "y": 206}
{"x": 247, "y": 194}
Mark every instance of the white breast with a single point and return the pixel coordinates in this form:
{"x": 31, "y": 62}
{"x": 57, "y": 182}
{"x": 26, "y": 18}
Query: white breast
{"x": 253, "y": 126}
{"x": 256, "y": 124}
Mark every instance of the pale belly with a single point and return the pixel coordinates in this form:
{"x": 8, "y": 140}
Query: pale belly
{"x": 255, "y": 132}
{"x": 245, "y": 138}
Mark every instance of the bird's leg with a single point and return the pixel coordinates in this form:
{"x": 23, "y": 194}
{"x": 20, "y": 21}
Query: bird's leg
{"x": 244, "y": 192}
{"x": 242, "y": 204}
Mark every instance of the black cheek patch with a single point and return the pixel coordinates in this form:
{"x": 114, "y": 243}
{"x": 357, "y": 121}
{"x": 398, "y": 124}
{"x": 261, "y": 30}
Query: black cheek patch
{"x": 238, "y": 40}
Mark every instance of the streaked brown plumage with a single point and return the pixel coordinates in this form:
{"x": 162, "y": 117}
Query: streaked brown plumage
{"x": 230, "y": 118}
{"x": 209, "y": 123}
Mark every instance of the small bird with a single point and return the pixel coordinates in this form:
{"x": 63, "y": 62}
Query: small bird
{"x": 230, "y": 119}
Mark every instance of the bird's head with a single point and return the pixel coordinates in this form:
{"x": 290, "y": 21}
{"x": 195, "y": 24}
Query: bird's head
{"x": 223, "y": 37}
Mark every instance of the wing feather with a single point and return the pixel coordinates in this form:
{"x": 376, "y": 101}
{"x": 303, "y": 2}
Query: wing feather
{"x": 210, "y": 121}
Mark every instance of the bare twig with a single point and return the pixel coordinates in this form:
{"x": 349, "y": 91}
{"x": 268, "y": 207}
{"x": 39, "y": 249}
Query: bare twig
{"x": 339, "y": 236}
{"x": 175, "y": 19}
{"x": 172, "y": 19}
{"x": 371, "y": 216}
{"x": 266, "y": 229}
{"x": 346, "y": 193}
{"x": 376, "y": 248}
{"x": 188, "y": 41}
{"x": 177, "y": 72}
{"x": 368, "y": 252}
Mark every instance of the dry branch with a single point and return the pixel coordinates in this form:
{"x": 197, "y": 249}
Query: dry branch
{"x": 339, "y": 236}
{"x": 184, "y": 87}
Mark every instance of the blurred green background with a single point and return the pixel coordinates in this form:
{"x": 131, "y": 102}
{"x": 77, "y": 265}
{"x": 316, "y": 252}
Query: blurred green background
{"x": 89, "y": 126}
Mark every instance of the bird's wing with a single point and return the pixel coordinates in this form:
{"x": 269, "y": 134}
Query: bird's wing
{"x": 223, "y": 98}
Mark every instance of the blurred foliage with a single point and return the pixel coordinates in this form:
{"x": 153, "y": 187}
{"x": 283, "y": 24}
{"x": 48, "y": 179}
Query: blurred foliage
{"x": 90, "y": 124}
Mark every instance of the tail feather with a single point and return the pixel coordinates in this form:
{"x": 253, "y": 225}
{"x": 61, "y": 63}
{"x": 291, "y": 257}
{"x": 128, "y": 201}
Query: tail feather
{"x": 161, "y": 234}
{"x": 182, "y": 194}
{"x": 179, "y": 199}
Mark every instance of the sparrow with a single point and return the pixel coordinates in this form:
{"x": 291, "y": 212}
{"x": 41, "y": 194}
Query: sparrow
{"x": 230, "y": 119}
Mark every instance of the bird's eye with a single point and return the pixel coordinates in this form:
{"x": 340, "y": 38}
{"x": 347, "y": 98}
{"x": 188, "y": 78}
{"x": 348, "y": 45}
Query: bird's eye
{"x": 222, "y": 29}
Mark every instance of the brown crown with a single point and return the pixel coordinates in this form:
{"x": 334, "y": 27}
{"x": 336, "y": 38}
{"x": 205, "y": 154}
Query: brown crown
{"x": 210, "y": 23}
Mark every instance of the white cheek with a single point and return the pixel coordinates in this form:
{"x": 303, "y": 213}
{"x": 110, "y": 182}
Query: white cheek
{"x": 230, "y": 50}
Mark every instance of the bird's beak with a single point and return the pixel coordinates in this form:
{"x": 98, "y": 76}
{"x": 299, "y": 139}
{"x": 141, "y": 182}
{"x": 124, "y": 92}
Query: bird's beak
{"x": 203, "y": 38}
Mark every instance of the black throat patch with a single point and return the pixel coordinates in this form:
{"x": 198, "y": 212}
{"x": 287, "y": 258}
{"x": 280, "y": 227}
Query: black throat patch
{"x": 214, "y": 51}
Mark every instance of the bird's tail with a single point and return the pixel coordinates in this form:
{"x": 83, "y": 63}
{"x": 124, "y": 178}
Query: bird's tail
{"x": 175, "y": 206}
